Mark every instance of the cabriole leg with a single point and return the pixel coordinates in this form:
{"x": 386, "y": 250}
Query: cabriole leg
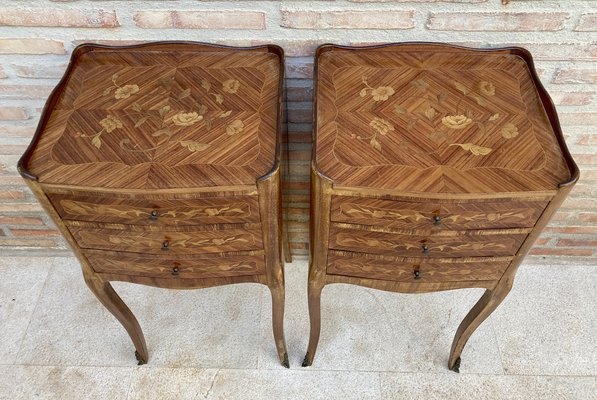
{"x": 314, "y": 293}
{"x": 110, "y": 299}
{"x": 277, "y": 292}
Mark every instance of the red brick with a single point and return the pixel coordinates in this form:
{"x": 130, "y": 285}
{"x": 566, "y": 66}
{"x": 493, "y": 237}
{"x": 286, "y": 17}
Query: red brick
{"x": 572, "y": 98}
{"x": 564, "y": 75}
{"x": 11, "y": 180}
{"x": 200, "y": 19}
{"x": 299, "y": 68}
{"x": 13, "y": 114}
{"x": 31, "y": 46}
{"x": 587, "y": 140}
{"x": 34, "y": 232}
{"x": 587, "y": 23}
{"x": 11, "y": 194}
{"x": 386, "y": 19}
{"x": 300, "y": 94}
{"x": 18, "y": 130}
{"x": 578, "y": 118}
{"x": 560, "y": 252}
{"x": 6, "y": 220}
{"x": 502, "y": 22}
{"x": 577, "y": 243}
{"x": 572, "y": 229}
{"x": 72, "y": 18}
{"x": 588, "y": 217}
{"x": 12, "y": 149}
{"x": 559, "y": 51}
{"x": 18, "y": 207}
{"x": 2, "y": 73}
{"x": 40, "y": 71}
{"x": 27, "y": 243}
{"x": 542, "y": 241}
{"x": 25, "y": 91}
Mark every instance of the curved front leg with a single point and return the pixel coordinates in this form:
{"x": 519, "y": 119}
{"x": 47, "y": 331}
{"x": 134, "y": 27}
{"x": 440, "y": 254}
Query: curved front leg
{"x": 490, "y": 300}
{"x": 110, "y": 299}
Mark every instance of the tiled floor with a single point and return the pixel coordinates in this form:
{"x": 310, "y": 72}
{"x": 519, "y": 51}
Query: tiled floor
{"x": 58, "y": 342}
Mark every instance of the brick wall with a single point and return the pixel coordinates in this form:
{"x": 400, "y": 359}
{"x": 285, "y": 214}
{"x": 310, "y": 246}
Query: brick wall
{"x": 36, "y": 38}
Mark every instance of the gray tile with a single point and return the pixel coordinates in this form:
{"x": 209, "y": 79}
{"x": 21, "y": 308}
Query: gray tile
{"x": 450, "y": 385}
{"x": 547, "y": 325}
{"x": 170, "y": 383}
{"x": 210, "y": 327}
{"x": 370, "y": 330}
{"x": 97, "y": 383}
{"x": 294, "y": 384}
{"x": 21, "y": 284}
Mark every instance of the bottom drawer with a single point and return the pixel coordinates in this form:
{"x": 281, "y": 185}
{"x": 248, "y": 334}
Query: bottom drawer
{"x": 416, "y": 269}
{"x": 175, "y": 267}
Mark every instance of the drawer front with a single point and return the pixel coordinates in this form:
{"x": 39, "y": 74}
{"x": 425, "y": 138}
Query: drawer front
{"x": 179, "y": 242}
{"x": 436, "y": 215}
{"x": 173, "y": 267}
{"x": 452, "y": 244}
{"x": 416, "y": 269}
{"x": 169, "y": 212}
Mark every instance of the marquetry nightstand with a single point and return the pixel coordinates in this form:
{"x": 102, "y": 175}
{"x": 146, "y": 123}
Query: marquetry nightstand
{"x": 435, "y": 168}
{"x": 160, "y": 164}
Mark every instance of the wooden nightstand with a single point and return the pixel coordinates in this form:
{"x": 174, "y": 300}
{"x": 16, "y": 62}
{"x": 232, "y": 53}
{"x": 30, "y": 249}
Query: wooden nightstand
{"x": 435, "y": 168}
{"x": 160, "y": 164}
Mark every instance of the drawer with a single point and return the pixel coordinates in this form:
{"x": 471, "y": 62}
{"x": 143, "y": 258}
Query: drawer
{"x": 480, "y": 243}
{"x": 216, "y": 266}
{"x": 419, "y": 269}
{"x": 163, "y": 212}
{"x": 436, "y": 215}
{"x": 181, "y": 241}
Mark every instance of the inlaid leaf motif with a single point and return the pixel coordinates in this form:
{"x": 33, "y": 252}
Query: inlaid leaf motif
{"x": 231, "y": 86}
{"x": 161, "y": 132}
{"x": 219, "y": 98}
{"x": 202, "y": 109}
{"x": 420, "y": 84}
{"x": 411, "y": 123}
{"x": 107, "y": 91}
{"x": 136, "y": 107}
{"x": 205, "y": 85}
{"x": 96, "y": 141}
{"x": 480, "y": 100}
{"x": 235, "y": 126}
{"x": 363, "y": 92}
{"x": 462, "y": 88}
{"x": 141, "y": 121}
{"x": 184, "y": 93}
{"x": 126, "y": 91}
{"x": 430, "y": 113}
{"x": 399, "y": 109}
{"x": 473, "y": 148}
{"x": 509, "y": 131}
{"x": 375, "y": 144}
{"x": 441, "y": 97}
{"x": 193, "y": 145}
{"x": 382, "y": 93}
{"x": 494, "y": 117}
{"x": 486, "y": 88}
{"x": 164, "y": 110}
{"x": 225, "y": 114}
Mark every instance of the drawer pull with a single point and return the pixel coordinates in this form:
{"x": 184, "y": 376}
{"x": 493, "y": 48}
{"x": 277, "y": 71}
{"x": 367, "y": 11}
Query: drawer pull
{"x": 417, "y": 274}
{"x": 175, "y": 271}
{"x": 166, "y": 245}
{"x": 437, "y": 220}
{"x": 425, "y": 249}
{"x": 154, "y": 215}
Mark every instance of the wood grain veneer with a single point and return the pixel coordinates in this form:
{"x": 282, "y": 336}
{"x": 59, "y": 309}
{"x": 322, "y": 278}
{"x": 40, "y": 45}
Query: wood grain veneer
{"x": 160, "y": 165}
{"x": 435, "y": 167}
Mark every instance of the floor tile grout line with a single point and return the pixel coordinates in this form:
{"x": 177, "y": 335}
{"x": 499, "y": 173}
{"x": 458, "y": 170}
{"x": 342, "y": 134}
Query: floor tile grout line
{"x": 41, "y": 291}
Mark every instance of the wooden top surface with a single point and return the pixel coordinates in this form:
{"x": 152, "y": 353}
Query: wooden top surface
{"x": 161, "y": 116}
{"x": 433, "y": 118}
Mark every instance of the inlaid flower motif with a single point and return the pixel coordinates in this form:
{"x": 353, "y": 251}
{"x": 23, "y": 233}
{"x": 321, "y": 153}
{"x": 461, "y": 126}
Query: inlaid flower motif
{"x": 110, "y": 123}
{"x": 382, "y": 93}
{"x": 486, "y": 88}
{"x": 381, "y": 125}
{"x": 231, "y": 86}
{"x": 235, "y": 126}
{"x": 456, "y": 121}
{"x": 509, "y": 130}
{"x": 124, "y": 92}
{"x": 186, "y": 119}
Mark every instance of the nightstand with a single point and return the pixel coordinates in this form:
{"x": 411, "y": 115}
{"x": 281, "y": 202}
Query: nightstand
{"x": 435, "y": 168}
{"x": 160, "y": 164}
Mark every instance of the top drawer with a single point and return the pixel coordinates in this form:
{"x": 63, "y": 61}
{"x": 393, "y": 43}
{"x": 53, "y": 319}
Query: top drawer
{"x": 436, "y": 214}
{"x": 167, "y": 212}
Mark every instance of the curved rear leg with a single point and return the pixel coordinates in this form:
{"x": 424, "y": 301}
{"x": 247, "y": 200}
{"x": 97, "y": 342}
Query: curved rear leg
{"x": 110, "y": 299}
{"x": 277, "y": 292}
{"x": 314, "y": 293}
{"x": 490, "y": 300}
